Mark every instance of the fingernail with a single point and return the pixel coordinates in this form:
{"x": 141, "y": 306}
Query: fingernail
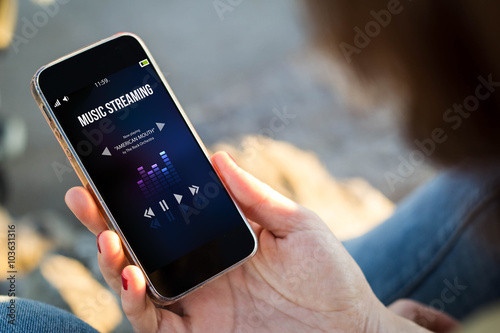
{"x": 232, "y": 158}
{"x": 124, "y": 282}
{"x": 97, "y": 240}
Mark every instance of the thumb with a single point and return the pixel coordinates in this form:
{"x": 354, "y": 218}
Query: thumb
{"x": 260, "y": 202}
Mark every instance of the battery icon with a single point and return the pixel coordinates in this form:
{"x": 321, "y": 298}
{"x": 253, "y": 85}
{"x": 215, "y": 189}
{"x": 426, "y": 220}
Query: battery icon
{"x": 144, "y": 63}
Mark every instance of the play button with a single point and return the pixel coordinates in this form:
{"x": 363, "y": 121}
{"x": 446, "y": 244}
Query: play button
{"x": 178, "y": 197}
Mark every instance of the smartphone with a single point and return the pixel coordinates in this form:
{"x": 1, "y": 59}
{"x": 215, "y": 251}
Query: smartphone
{"x": 134, "y": 149}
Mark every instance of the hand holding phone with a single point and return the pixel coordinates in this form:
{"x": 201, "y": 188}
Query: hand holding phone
{"x": 300, "y": 280}
{"x": 173, "y": 225}
{"x": 145, "y": 167}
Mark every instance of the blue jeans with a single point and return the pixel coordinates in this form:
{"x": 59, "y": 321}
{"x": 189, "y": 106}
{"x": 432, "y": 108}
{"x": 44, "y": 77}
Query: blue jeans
{"x": 31, "y": 316}
{"x": 442, "y": 245}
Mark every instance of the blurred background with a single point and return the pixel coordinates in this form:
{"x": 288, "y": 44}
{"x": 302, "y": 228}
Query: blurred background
{"x": 234, "y": 66}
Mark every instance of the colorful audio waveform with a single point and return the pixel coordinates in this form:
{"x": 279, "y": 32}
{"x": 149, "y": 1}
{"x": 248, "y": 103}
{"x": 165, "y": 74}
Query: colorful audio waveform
{"x": 156, "y": 180}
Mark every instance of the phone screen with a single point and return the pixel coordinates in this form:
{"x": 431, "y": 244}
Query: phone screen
{"x": 151, "y": 174}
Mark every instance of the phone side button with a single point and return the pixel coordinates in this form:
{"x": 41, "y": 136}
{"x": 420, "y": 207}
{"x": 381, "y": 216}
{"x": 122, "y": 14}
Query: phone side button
{"x": 57, "y": 134}
{"x": 68, "y": 153}
{"x": 49, "y": 118}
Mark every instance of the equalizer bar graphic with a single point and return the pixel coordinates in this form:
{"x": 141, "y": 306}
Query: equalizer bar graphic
{"x": 155, "y": 181}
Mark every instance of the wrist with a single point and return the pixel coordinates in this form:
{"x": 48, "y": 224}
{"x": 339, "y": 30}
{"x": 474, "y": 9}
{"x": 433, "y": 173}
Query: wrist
{"x": 393, "y": 323}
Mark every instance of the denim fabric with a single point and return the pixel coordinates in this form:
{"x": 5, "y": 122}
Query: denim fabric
{"x": 441, "y": 247}
{"x": 38, "y": 317}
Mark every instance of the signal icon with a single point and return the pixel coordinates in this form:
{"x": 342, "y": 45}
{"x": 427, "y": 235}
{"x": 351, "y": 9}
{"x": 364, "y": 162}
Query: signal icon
{"x": 58, "y": 103}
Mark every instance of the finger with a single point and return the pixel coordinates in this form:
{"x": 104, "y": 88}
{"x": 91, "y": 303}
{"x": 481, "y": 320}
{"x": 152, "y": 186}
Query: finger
{"x": 111, "y": 259}
{"x": 427, "y": 317}
{"x": 139, "y": 310}
{"x": 260, "y": 202}
{"x": 81, "y": 203}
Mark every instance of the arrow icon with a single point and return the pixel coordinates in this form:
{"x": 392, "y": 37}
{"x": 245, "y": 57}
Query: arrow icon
{"x": 194, "y": 189}
{"x": 178, "y": 197}
{"x": 106, "y": 152}
{"x": 149, "y": 213}
{"x": 160, "y": 126}
{"x": 155, "y": 224}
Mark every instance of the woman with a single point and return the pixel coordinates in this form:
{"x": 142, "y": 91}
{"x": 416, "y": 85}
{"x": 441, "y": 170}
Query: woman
{"x": 439, "y": 61}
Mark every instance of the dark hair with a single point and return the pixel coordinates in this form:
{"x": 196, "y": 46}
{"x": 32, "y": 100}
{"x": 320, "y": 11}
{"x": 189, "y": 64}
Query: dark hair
{"x": 442, "y": 56}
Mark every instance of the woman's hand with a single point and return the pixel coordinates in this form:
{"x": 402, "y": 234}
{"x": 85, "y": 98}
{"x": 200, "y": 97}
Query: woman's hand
{"x": 432, "y": 319}
{"x": 301, "y": 279}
